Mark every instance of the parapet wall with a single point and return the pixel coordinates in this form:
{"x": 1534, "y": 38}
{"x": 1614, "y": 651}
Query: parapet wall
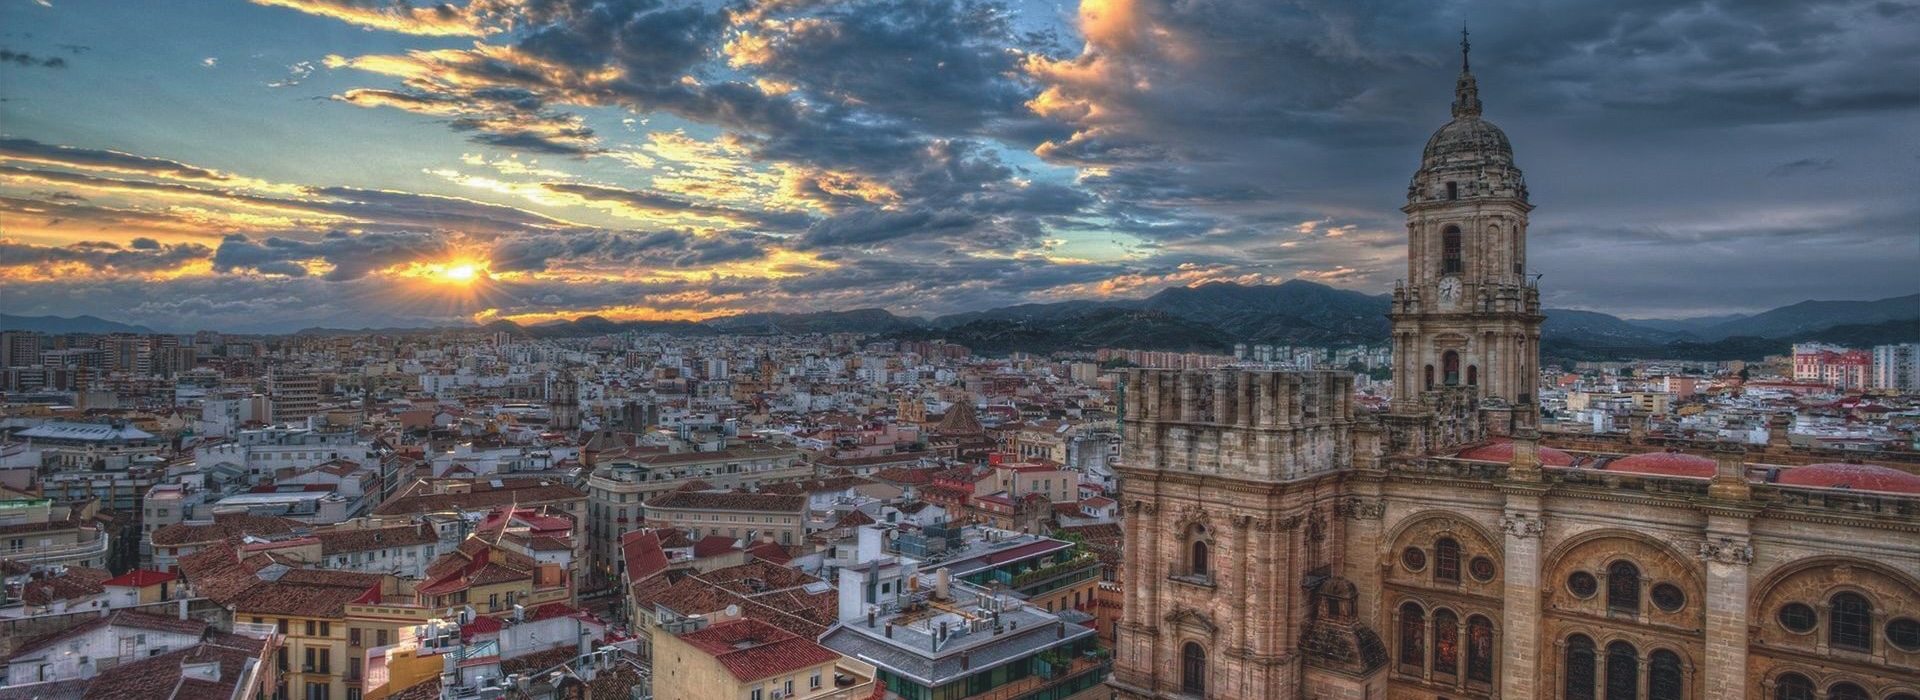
{"x": 1261, "y": 425}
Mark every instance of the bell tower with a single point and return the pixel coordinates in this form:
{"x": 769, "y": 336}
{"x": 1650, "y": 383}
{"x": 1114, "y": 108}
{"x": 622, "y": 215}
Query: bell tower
{"x": 1466, "y": 319}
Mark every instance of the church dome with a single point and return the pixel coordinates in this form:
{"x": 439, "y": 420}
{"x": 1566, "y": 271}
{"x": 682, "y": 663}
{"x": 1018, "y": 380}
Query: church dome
{"x": 1665, "y": 464}
{"x": 1467, "y": 141}
{"x": 1861, "y": 477}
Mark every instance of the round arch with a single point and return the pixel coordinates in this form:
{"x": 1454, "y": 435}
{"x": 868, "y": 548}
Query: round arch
{"x": 1400, "y": 534}
{"x": 1690, "y": 565}
{"x": 1771, "y": 584}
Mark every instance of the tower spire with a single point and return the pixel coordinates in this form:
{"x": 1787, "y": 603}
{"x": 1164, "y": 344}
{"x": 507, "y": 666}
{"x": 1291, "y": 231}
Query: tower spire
{"x": 1464, "y": 48}
{"x": 1466, "y": 93}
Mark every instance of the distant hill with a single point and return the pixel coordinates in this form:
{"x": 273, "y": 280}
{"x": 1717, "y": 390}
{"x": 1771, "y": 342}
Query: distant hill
{"x": 1686, "y": 325}
{"x": 62, "y": 324}
{"x": 1091, "y": 329}
{"x": 1213, "y": 317}
{"x": 854, "y": 321}
{"x": 1810, "y": 316}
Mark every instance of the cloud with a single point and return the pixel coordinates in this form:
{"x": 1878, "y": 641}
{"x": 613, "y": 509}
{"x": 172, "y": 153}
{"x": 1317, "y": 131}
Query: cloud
{"x": 1803, "y": 166}
{"x": 648, "y": 205}
{"x": 437, "y": 19}
{"x": 296, "y": 72}
{"x": 348, "y": 256}
{"x": 21, "y": 58}
{"x": 31, "y": 151}
{"x": 144, "y": 255}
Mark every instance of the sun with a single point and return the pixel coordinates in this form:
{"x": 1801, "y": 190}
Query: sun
{"x": 461, "y": 273}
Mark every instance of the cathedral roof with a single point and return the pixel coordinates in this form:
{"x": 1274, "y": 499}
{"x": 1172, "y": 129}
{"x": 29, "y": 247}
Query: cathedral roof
{"x": 1665, "y": 464}
{"x": 1862, "y": 477}
{"x": 1501, "y": 450}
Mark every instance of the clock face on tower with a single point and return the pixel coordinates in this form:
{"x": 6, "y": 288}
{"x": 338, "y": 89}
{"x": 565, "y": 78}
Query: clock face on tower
{"x": 1450, "y": 289}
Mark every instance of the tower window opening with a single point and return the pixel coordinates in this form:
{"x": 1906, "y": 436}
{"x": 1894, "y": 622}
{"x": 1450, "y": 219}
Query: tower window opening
{"x": 1453, "y": 190}
{"x": 1451, "y": 364}
{"x": 1450, "y": 261}
{"x": 1429, "y": 377}
{"x": 1473, "y": 375}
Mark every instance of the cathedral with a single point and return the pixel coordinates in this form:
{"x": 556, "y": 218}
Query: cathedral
{"x": 1281, "y": 543}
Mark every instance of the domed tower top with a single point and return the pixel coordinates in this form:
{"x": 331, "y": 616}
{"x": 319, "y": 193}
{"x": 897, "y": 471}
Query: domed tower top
{"x": 1469, "y": 157}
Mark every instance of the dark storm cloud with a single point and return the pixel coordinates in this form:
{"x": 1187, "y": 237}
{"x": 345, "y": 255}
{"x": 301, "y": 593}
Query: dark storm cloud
{"x": 351, "y": 256}
{"x": 652, "y": 202}
{"x": 944, "y": 67}
{"x": 143, "y": 255}
{"x": 629, "y": 249}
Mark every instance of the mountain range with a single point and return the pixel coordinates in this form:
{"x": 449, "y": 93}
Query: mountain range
{"x": 1213, "y": 317}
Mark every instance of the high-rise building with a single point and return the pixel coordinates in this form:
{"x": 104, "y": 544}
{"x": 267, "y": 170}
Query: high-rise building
{"x": 19, "y": 348}
{"x": 294, "y": 395}
{"x": 1897, "y": 367}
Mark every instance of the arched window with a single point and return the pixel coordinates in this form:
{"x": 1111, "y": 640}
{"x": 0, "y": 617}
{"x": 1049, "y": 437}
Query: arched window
{"x": 1623, "y": 587}
{"x": 1851, "y": 624}
{"x": 1446, "y": 560}
{"x": 1623, "y": 672}
{"x": 1580, "y": 666}
{"x": 1446, "y": 642}
{"x": 1451, "y": 365}
{"x": 1473, "y": 375}
{"x": 1199, "y": 557}
{"x": 1847, "y": 691}
{"x": 1480, "y": 649}
{"x": 1664, "y": 680}
{"x": 1450, "y": 260}
{"x": 1792, "y": 686}
{"x": 1429, "y": 377}
{"x": 1413, "y": 635}
{"x": 1193, "y": 669}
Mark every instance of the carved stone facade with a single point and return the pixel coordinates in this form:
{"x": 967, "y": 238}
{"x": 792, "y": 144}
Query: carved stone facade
{"x": 1278, "y": 545}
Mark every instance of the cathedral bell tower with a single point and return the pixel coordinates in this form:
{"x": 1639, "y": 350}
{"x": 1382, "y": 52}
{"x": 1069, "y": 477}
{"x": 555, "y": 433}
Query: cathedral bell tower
{"x": 1466, "y": 319}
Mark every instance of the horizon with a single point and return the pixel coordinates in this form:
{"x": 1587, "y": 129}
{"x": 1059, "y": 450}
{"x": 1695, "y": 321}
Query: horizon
{"x": 318, "y": 163}
{"x": 476, "y": 325}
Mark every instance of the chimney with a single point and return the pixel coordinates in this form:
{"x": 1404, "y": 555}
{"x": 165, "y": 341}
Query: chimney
{"x": 943, "y": 583}
{"x": 966, "y": 661}
{"x": 889, "y": 630}
{"x": 1060, "y": 630}
{"x": 870, "y": 616}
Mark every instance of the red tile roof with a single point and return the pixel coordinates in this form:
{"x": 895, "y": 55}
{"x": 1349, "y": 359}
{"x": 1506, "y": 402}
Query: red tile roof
{"x": 1859, "y": 477}
{"x": 1501, "y": 450}
{"x": 712, "y": 545}
{"x": 1665, "y": 464}
{"x": 644, "y": 557}
{"x": 226, "y": 527}
{"x": 77, "y": 582}
{"x": 752, "y": 650}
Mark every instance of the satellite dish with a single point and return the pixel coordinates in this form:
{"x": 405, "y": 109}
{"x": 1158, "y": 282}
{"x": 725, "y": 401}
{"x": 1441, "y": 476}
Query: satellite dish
{"x": 733, "y": 611}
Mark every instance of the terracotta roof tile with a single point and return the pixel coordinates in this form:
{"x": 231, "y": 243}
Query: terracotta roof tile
{"x": 752, "y": 650}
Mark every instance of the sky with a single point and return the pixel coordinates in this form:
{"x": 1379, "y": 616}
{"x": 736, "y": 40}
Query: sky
{"x": 281, "y": 164}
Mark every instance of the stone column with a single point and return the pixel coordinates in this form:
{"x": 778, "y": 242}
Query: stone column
{"x": 1520, "y": 648}
{"x": 1728, "y": 552}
